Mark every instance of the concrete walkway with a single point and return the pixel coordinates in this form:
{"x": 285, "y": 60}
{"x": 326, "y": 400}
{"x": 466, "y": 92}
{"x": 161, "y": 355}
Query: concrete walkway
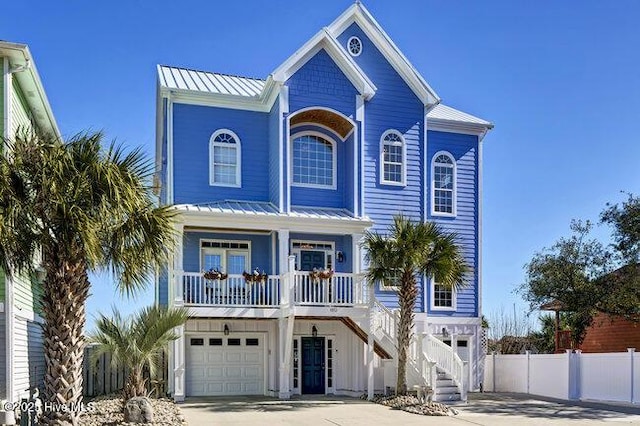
{"x": 482, "y": 409}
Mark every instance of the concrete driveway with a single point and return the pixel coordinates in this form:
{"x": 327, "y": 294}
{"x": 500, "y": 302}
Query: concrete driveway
{"x": 482, "y": 409}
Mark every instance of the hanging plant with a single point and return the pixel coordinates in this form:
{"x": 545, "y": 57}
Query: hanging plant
{"x": 214, "y": 274}
{"x": 318, "y": 274}
{"x": 255, "y": 277}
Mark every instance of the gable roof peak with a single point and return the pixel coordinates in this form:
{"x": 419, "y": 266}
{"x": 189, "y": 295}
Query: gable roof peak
{"x": 358, "y": 13}
{"x": 325, "y": 40}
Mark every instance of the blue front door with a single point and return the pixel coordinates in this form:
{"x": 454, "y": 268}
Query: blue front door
{"x": 313, "y": 365}
{"x": 311, "y": 259}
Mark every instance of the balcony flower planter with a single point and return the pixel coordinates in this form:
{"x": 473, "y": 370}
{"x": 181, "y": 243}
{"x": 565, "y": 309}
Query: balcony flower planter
{"x": 214, "y": 274}
{"x": 319, "y": 275}
{"x": 255, "y": 277}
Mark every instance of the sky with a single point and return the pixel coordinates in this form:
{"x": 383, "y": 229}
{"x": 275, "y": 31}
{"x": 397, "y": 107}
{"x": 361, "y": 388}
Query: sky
{"x": 559, "y": 80}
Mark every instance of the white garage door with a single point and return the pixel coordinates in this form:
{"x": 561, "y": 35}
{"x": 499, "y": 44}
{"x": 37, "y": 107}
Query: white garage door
{"x": 225, "y": 365}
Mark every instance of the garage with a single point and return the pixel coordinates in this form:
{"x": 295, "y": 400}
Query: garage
{"x": 220, "y": 365}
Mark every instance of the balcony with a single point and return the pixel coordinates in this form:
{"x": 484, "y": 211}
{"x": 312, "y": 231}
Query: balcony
{"x": 289, "y": 290}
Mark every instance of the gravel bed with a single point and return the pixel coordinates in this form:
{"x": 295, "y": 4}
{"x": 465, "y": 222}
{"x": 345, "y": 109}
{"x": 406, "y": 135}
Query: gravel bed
{"x": 411, "y": 404}
{"x": 107, "y": 411}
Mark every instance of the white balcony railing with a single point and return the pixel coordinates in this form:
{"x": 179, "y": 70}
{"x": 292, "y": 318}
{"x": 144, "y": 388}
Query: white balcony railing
{"x": 298, "y": 288}
{"x": 232, "y": 291}
{"x": 342, "y": 289}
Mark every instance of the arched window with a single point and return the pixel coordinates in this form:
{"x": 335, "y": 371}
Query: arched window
{"x": 224, "y": 159}
{"x": 314, "y": 161}
{"x": 393, "y": 157}
{"x": 443, "y": 184}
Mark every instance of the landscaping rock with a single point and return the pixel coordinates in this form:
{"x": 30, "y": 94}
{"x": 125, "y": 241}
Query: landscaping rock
{"x": 411, "y": 404}
{"x": 138, "y": 410}
{"x": 107, "y": 411}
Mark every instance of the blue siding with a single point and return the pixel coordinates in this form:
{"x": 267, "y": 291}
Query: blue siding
{"x": 192, "y": 128}
{"x": 275, "y": 124}
{"x": 163, "y": 160}
{"x": 302, "y": 196}
{"x": 163, "y": 287}
{"x": 261, "y": 249}
{"x": 342, "y": 243}
{"x": 394, "y": 106}
{"x": 465, "y": 224}
{"x": 320, "y": 82}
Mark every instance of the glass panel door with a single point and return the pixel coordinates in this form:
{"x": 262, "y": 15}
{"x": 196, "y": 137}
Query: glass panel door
{"x": 211, "y": 260}
{"x": 237, "y": 262}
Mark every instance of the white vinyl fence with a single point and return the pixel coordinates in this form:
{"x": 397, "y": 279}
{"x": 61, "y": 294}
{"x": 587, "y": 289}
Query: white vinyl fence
{"x": 602, "y": 377}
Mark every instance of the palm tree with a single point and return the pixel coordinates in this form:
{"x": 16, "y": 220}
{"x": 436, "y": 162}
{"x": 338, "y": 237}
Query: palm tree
{"x": 137, "y": 342}
{"x": 79, "y": 208}
{"x": 408, "y": 251}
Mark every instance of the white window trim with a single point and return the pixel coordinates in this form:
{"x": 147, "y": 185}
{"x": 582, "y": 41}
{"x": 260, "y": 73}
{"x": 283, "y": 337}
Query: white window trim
{"x": 385, "y": 287}
{"x": 238, "y": 147}
{"x": 453, "y": 307}
{"x": 404, "y": 159}
{"x": 349, "y": 43}
{"x": 328, "y": 252}
{"x": 225, "y": 250}
{"x": 334, "y": 162}
{"x": 454, "y": 196}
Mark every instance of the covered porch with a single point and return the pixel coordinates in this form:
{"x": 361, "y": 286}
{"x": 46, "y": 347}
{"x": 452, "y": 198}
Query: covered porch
{"x": 249, "y": 256}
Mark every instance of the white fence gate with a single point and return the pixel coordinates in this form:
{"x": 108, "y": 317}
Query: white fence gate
{"x": 602, "y": 376}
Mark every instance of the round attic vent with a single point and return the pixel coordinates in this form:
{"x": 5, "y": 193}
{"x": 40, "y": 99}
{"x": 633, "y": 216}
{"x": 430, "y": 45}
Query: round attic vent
{"x": 354, "y": 45}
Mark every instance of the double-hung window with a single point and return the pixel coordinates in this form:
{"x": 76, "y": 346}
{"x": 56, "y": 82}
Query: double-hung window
{"x": 393, "y": 158}
{"x": 224, "y": 159}
{"x": 443, "y": 185}
{"x": 314, "y": 161}
{"x": 442, "y": 297}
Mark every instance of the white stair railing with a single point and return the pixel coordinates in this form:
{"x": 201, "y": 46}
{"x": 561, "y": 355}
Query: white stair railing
{"x": 449, "y": 361}
{"x": 386, "y": 324}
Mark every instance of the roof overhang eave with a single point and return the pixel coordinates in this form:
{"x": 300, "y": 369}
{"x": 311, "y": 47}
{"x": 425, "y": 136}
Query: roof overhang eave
{"x": 439, "y": 124}
{"x": 262, "y": 103}
{"x": 29, "y": 80}
{"x": 266, "y": 221}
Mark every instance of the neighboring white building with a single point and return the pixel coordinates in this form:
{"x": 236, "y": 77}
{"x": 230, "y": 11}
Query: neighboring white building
{"x": 23, "y": 104}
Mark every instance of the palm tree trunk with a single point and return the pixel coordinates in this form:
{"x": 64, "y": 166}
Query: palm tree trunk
{"x": 407, "y": 300}
{"x": 135, "y": 385}
{"x": 66, "y": 289}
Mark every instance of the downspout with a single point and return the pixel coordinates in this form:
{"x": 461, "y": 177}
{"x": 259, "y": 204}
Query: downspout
{"x": 8, "y": 282}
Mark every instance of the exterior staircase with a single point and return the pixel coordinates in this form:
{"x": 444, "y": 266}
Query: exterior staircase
{"x": 446, "y": 388}
{"x": 431, "y": 364}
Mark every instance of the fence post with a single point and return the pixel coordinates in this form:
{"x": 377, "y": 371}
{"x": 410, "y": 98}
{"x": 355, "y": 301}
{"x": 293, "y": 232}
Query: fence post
{"x": 493, "y": 371}
{"x": 528, "y": 353}
{"x": 574, "y": 388}
{"x": 631, "y": 351}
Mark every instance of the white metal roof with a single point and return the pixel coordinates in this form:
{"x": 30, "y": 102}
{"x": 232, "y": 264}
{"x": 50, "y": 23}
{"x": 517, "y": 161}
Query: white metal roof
{"x": 259, "y": 208}
{"x": 446, "y": 113}
{"x": 209, "y": 82}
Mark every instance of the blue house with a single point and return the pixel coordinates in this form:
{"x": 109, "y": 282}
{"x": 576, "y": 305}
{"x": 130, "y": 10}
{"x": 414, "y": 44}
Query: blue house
{"x": 276, "y": 181}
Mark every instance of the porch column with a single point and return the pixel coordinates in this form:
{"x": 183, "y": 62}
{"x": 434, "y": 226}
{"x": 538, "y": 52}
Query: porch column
{"x": 285, "y": 347}
{"x": 283, "y": 250}
{"x": 178, "y": 365}
{"x": 356, "y": 266}
{"x": 174, "y": 292}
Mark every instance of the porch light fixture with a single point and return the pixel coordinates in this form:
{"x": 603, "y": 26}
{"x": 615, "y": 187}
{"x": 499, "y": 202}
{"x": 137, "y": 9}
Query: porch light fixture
{"x": 340, "y": 256}
{"x": 314, "y": 331}
{"x": 226, "y": 330}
